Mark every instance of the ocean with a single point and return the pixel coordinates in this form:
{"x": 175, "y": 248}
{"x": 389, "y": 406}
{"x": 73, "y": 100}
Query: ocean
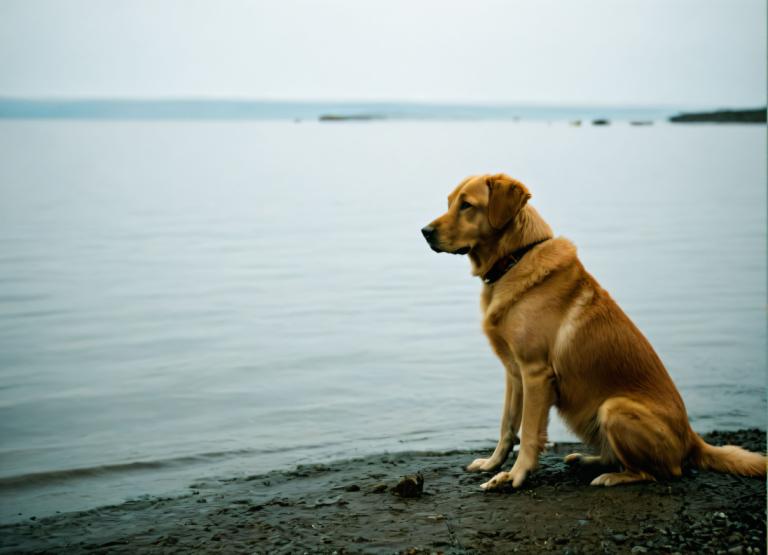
{"x": 188, "y": 299}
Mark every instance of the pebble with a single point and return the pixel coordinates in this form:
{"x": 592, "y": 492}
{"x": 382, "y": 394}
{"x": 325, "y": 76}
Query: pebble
{"x": 410, "y": 486}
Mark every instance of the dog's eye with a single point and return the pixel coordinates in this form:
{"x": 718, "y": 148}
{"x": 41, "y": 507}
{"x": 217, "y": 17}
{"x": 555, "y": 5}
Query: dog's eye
{"x": 465, "y": 205}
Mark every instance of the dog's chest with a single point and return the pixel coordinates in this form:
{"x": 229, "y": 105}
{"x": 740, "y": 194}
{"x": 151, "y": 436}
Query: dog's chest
{"x": 526, "y": 326}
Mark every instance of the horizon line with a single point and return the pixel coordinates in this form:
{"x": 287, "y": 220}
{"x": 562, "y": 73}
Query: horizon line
{"x": 425, "y": 102}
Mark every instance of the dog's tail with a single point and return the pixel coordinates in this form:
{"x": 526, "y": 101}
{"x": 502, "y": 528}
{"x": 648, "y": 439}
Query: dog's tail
{"x": 728, "y": 458}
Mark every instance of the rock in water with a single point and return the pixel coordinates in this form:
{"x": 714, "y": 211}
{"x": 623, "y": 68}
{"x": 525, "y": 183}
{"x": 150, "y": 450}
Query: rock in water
{"x": 410, "y": 486}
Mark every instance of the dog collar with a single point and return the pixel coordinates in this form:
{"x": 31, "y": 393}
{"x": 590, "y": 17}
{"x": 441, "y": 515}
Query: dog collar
{"x": 506, "y": 263}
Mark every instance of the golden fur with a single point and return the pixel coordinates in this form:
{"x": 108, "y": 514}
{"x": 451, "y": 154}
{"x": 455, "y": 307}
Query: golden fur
{"x": 565, "y": 342}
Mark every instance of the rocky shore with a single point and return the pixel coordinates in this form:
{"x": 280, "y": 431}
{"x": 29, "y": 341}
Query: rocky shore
{"x": 363, "y": 506}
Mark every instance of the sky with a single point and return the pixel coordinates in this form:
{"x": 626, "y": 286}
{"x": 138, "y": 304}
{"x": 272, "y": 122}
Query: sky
{"x": 623, "y": 52}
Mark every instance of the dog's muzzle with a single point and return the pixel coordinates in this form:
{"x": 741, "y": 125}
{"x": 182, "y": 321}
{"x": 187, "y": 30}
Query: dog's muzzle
{"x": 430, "y": 234}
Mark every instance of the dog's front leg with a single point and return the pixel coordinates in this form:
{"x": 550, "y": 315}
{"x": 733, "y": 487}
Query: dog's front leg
{"x": 510, "y": 422}
{"x": 538, "y": 397}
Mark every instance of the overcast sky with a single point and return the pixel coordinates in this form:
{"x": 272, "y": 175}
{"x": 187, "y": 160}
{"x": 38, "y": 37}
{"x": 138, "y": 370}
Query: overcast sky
{"x": 643, "y": 52}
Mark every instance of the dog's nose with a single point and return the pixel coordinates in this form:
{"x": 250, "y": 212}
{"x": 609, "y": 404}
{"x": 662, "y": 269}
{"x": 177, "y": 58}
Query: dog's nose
{"x": 428, "y": 232}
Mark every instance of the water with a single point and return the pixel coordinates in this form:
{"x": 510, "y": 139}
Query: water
{"x": 117, "y": 109}
{"x": 191, "y": 299}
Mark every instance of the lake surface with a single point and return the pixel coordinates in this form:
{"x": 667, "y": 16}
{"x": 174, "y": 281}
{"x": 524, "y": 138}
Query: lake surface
{"x": 181, "y": 300}
{"x": 202, "y": 109}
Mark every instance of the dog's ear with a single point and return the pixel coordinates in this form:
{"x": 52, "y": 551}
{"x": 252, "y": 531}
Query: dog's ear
{"x": 506, "y": 197}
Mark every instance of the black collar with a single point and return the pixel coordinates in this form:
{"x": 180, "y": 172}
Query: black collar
{"x": 506, "y": 263}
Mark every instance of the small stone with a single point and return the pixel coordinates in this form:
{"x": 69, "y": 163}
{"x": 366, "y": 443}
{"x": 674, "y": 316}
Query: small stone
{"x": 736, "y": 550}
{"x": 352, "y": 487}
{"x": 619, "y": 538}
{"x": 410, "y": 486}
{"x": 639, "y": 549}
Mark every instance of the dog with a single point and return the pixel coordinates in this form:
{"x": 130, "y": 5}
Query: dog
{"x": 565, "y": 342}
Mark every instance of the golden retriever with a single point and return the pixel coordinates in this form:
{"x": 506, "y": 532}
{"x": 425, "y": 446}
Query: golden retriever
{"x": 564, "y": 341}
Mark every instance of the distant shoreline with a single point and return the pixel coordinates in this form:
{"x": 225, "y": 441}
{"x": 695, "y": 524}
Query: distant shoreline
{"x": 297, "y": 111}
{"x": 350, "y": 117}
{"x": 756, "y": 115}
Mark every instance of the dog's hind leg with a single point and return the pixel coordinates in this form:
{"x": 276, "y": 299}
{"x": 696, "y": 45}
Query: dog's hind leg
{"x": 641, "y": 441}
{"x": 584, "y": 460}
{"x": 626, "y": 477}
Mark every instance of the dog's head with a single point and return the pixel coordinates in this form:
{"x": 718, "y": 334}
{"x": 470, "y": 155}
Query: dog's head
{"x": 479, "y": 208}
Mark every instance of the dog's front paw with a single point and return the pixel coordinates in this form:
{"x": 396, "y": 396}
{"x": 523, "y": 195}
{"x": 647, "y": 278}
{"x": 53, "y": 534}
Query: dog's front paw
{"x": 482, "y": 465}
{"x": 517, "y": 476}
{"x": 496, "y": 481}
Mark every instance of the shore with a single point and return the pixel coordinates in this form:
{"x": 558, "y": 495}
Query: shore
{"x": 353, "y": 507}
{"x": 757, "y": 115}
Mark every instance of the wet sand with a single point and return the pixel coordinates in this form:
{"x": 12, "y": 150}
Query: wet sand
{"x": 350, "y": 507}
